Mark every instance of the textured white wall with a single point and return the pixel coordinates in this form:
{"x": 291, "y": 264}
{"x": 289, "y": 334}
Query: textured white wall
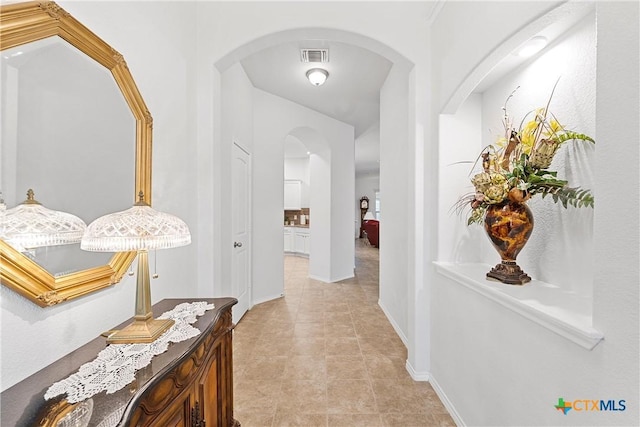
{"x": 162, "y": 67}
{"x": 495, "y": 367}
{"x": 459, "y": 146}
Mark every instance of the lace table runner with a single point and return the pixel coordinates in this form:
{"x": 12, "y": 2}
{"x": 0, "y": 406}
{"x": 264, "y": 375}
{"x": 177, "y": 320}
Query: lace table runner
{"x": 116, "y": 365}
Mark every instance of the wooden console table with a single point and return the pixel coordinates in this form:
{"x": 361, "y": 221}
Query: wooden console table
{"x": 191, "y": 384}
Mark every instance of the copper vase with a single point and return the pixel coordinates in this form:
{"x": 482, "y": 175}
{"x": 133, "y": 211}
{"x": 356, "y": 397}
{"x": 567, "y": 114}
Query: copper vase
{"x": 509, "y": 226}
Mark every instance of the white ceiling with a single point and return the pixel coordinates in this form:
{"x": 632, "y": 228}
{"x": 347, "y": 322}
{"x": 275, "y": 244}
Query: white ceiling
{"x": 351, "y": 94}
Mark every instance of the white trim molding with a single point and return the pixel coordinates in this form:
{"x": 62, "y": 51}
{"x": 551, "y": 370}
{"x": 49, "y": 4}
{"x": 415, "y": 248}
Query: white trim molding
{"x": 415, "y": 375}
{"x": 545, "y": 304}
{"x": 446, "y": 402}
{"x": 266, "y": 299}
{"x": 396, "y": 327}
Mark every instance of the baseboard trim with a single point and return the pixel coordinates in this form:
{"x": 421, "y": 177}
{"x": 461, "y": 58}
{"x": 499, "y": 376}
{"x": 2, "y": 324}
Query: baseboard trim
{"x": 265, "y": 299}
{"x": 324, "y": 280}
{"x": 403, "y": 338}
{"x": 446, "y": 402}
{"x": 415, "y": 375}
{"x": 320, "y": 279}
{"x": 349, "y": 276}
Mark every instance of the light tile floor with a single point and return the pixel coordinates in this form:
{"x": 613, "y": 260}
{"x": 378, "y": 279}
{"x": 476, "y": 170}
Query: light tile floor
{"x": 326, "y": 355}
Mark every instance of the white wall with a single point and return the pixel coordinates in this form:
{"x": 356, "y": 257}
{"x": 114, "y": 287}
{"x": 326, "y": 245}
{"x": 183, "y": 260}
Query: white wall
{"x": 459, "y": 146}
{"x": 320, "y": 204}
{"x": 274, "y": 119}
{"x": 395, "y": 180}
{"x": 492, "y": 366}
{"x": 158, "y": 44}
{"x": 298, "y": 169}
{"x": 236, "y": 127}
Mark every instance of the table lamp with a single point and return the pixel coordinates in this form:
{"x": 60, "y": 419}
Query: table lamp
{"x": 30, "y": 225}
{"x": 368, "y": 217}
{"x": 139, "y": 228}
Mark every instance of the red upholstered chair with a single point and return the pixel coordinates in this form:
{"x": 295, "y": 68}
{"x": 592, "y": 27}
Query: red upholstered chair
{"x": 372, "y": 228}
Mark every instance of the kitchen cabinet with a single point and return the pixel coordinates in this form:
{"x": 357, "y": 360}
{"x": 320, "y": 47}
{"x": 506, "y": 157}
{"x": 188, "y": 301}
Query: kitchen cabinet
{"x": 297, "y": 240}
{"x": 288, "y": 239}
{"x": 292, "y": 194}
{"x": 301, "y": 241}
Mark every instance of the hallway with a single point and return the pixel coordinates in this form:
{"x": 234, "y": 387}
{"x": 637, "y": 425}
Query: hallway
{"x": 326, "y": 355}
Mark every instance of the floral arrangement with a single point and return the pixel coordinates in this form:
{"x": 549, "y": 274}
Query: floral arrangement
{"x": 516, "y": 167}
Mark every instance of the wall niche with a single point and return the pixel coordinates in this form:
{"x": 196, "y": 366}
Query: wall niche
{"x": 559, "y": 254}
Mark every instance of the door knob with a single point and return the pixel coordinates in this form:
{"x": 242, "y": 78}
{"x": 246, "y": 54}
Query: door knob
{"x": 237, "y": 244}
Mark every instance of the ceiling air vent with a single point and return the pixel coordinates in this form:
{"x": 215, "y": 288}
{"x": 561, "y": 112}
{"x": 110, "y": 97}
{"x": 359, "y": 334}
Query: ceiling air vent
{"x": 314, "y": 55}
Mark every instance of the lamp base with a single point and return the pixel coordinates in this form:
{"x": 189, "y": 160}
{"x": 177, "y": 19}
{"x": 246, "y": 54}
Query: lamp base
{"x": 140, "y": 331}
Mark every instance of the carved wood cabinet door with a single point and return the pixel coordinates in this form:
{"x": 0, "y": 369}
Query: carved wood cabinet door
{"x": 199, "y": 391}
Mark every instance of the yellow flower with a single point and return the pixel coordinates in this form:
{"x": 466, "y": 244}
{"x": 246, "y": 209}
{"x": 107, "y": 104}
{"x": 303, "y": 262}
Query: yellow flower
{"x": 502, "y": 142}
{"x": 552, "y": 128}
{"x": 530, "y": 127}
{"x": 528, "y": 135}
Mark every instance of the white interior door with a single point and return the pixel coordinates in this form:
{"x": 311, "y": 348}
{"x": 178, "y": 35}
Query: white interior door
{"x": 241, "y": 223}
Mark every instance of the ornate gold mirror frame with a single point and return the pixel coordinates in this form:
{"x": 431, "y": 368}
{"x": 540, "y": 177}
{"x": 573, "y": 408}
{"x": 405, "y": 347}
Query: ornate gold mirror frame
{"x": 23, "y": 23}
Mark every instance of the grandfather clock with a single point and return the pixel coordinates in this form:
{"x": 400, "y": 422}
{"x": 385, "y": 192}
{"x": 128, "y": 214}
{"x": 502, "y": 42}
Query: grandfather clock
{"x": 364, "y": 207}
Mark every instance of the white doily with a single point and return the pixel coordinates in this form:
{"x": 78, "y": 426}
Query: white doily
{"x": 116, "y": 365}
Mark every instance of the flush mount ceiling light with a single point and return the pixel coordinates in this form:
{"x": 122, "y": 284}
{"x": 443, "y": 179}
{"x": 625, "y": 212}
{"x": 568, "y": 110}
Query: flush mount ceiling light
{"x": 317, "y": 76}
{"x": 532, "y": 46}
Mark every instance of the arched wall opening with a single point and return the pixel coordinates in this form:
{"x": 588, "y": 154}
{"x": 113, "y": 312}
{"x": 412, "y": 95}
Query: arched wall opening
{"x": 559, "y": 254}
{"x": 398, "y": 163}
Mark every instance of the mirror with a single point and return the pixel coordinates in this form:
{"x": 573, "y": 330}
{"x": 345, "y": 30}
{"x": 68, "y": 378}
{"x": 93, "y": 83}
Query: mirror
{"x": 78, "y": 105}
{"x": 76, "y": 130}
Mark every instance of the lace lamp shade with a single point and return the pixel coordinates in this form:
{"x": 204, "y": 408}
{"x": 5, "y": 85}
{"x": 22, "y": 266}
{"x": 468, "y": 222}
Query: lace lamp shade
{"x": 31, "y": 225}
{"x": 137, "y": 228}
{"x": 368, "y": 216}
